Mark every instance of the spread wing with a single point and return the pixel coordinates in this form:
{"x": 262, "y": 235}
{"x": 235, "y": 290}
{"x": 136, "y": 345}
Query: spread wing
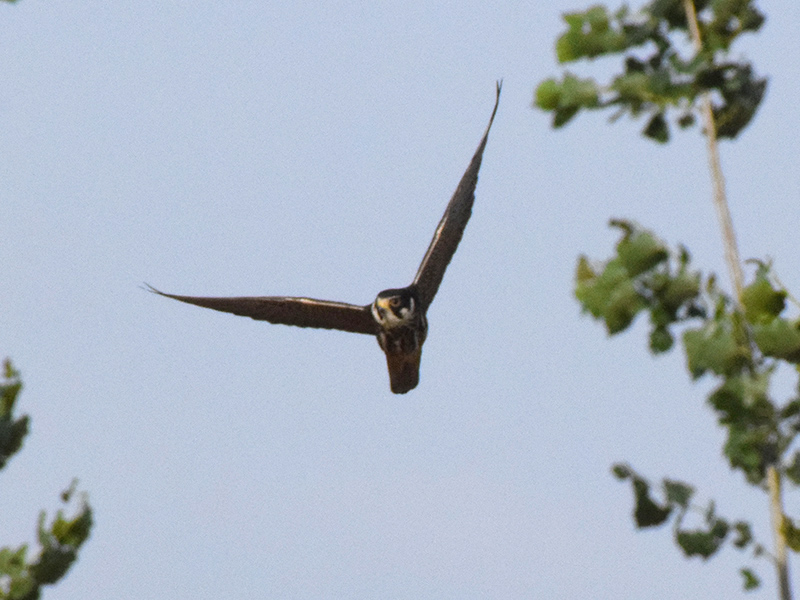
{"x": 302, "y": 312}
{"x": 451, "y": 227}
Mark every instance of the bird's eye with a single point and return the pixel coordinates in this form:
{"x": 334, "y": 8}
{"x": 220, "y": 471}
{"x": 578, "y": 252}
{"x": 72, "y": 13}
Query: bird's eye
{"x": 395, "y": 302}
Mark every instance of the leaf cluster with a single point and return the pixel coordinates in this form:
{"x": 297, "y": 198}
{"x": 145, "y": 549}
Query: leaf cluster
{"x": 21, "y": 578}
{"x": 59, "y": 543}
{"x": 12, "y": 431}
{"x": 642, "y": 276}
{"x": 703, "y": 541}
{"x": 740, "y": 345}
{"x": 655, "y": 78}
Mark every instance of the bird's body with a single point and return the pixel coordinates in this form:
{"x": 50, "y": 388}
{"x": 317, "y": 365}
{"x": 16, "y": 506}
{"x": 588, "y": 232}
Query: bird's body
{"x": 403, "y": 329}
{"x": 397, "y": 317}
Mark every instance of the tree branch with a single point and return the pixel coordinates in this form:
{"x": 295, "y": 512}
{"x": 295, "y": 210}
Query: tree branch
{"x": 718, "y": 180}
{"x": 735, "y": 269}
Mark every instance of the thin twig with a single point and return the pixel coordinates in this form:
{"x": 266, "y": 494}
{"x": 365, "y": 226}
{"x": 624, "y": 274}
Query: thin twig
{"x": 735, "y": 269}
{"x": 776, "y": 513}
{"x": 720, "y": 198}
{"x": 718, "y": 180}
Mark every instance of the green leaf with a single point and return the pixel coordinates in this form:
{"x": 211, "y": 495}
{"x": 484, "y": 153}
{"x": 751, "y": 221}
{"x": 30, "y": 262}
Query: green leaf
{"x": 671, "y": 11}
{"x": 577, "y": 92}
{"x": 686, "y": 120}
{"x": 597, "y": 18}
{"x": 624, "y": 303}
{"x": 548, "y": 94}
{"x": 744, "y": 399}
{"x": 610, "y": 295}
{"x": 657, "y": 128}
{"x": 60, "y": 543}
{"x": 622, "y": 471}
{"x": 678, "y": 492}
{"x": 589, "y": 34}
{"x": 761, "y": 301}
{"x": 562, "y": 116}
{"x": 792, "y": 409}
{"x": 779, "y": 339}
{"x": 702, "y": 543}
{"x": 647, "y": 512}
{"x": 744, "y": 408}
{"x": 714, "y": 347}
{"x": 680, "y": 289}
{"x": 593, "y": 290}
{"x": 566, "y": 98}
{"x": 750, "y": 450}
{"x": 53, "y": 564}
{"x": 12, "y": 562}
{"x": 12, "y": 431}
{"x": 568, "y": 47}
{"x": 661, "y": 339}
{"x": 584, "y": 271}
{"x": 67, "y": 532}
{"x": 742, "y": 95}
{"x": 9, "y": 389}
{"x": 633, "y": 87}
{"x": 791, "y": 533}
{"x": 640, "y": 251}
{"x": 9, "y": 372}
{"x": 744, "y": 535}
{"x": 12, "y": 435}
{"x": 751, "y": 580}
{"x": 751, "y": 19}
{"x": 792, "y": 471}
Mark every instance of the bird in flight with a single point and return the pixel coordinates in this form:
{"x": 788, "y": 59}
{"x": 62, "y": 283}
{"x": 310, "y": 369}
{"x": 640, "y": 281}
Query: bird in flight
{"x": 396, "y": 316}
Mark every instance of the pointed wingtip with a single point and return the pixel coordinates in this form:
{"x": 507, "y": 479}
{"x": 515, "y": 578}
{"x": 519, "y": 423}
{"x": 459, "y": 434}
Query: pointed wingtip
{"x": 149, "y": 288}
{"x": 499, "y": 84}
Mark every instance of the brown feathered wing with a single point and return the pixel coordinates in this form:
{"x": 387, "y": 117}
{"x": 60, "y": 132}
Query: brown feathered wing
{"x": 301, "y": 312}
{"x": 451, "y": 227}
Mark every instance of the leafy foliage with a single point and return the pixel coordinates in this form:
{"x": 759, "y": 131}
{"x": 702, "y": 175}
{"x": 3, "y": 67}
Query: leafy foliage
{"x": 742, "y": 346}
{"x": 20, "y": 578}
{"x": 702, "y": 541}
{"x": 640, "y": 277}
{"x": 751, "y": 581}
{"x": 12, "y": 431}
{"x": 655, "y": 78}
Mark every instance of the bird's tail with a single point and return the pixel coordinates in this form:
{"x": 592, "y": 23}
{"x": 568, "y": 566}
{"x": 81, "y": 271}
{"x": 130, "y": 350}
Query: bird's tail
{"x": 403, "y": 371}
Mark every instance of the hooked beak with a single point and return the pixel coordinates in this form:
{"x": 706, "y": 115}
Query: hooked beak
{"x": 383, "y": 303}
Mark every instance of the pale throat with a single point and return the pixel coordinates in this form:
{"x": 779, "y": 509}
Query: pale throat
{"x": 390, "y": 316}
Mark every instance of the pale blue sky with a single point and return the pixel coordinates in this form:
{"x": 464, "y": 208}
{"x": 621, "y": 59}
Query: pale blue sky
{"x": 258, "y": 148}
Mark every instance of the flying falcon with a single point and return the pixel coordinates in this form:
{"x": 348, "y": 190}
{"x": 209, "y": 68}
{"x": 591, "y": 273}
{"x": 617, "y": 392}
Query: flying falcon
{"x": 397, "y": 316}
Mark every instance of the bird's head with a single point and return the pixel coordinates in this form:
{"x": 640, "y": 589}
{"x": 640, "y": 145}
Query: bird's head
{"x": 395, "y": 308}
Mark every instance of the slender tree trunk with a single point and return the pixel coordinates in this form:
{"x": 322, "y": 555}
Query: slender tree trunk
{"x": 735, "y": 270}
